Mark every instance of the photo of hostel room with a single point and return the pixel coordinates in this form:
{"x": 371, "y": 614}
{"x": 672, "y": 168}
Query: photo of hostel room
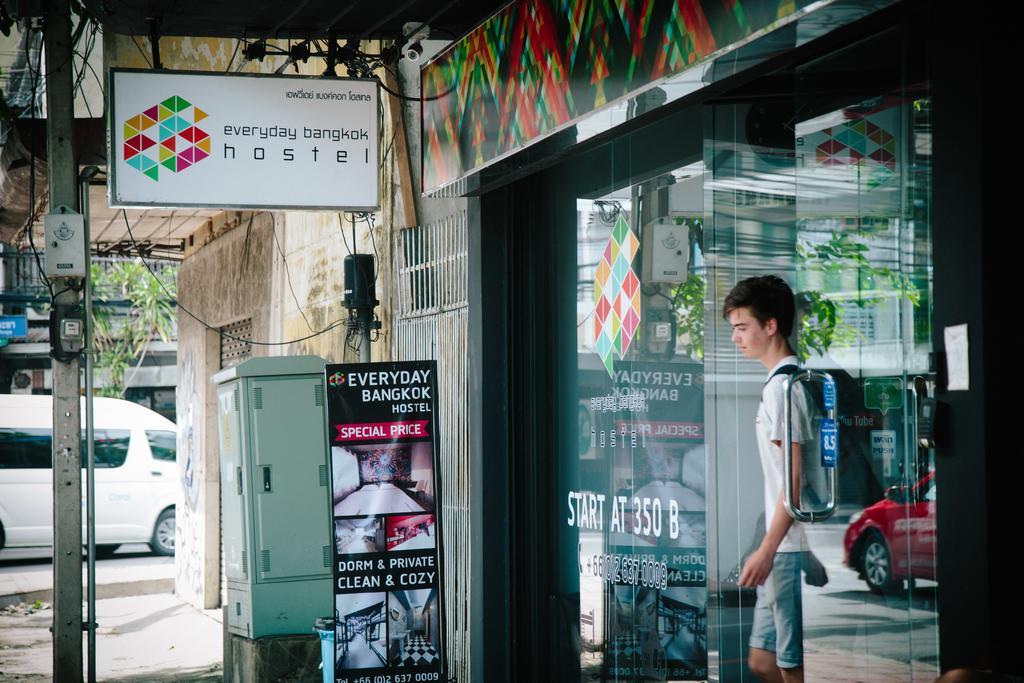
{"x": 382, "y": 479}
{"x": 683, "y": 629}
{"x": 359, "y": 535}
{"x": 413, "y": 627}
{"x": 411, "y": 532}
{"x": 360, "y": 640}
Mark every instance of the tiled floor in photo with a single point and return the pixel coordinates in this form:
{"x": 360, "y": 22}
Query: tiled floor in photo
{"x": 355, "y": 544}
{"x": 624, "y": 647}
{"x": 362, "y": 654}
{"x": 417, "y": 542}
{"x": 418, "y": 651}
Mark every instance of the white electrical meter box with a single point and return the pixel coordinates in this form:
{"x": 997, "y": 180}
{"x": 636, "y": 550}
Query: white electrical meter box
{"x": 275, "y": 495}
{"x": 65, "y": 243}
{"x": 666, "y": 251}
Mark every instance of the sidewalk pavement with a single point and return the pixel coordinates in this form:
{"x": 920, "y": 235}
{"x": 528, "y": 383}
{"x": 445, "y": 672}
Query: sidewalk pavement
{"x": 145, "y": 633}
{"x": 123, "y": 577}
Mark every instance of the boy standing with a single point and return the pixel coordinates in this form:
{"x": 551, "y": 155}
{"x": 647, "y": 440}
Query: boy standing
{"x": 761, "y": 312}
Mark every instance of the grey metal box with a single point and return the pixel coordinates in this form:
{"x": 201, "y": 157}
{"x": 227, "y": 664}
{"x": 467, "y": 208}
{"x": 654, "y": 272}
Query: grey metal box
{"x": 275, "y": 494}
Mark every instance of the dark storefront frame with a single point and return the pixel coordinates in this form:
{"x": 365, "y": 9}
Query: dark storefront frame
{"x": 520, "y": 393}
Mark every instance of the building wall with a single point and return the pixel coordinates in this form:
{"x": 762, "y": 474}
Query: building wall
{"x": 224, "y": 282}
{"x": 284, "y": 271}
{"x": 307, "y": 274}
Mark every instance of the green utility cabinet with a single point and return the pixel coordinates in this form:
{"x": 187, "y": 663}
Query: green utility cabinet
{"x": 275, "y": 495}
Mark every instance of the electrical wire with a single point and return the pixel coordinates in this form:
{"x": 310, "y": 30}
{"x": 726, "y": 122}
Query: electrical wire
{"x": 360, "y": 64}
{"x": 341, "y": 226}
{"x": 80, "y": 77}
{"x": 238, "y": 43}
{"x": 202, "y": 322}
{"x": 413, "y": 99}
{"x": 287, "y": 273}
{"x": 32, "y": 165}
{"x": 376, "y": 256}
{"x": 142, "y": 52}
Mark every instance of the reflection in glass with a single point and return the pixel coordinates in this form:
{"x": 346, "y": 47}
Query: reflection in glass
{"x": 839, "y": 210}
{"x": 636, "y": 507}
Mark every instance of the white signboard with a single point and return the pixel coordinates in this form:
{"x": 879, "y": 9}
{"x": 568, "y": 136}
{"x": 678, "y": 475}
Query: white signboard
{"x": 883, "y": 447}
{"x": 957, "y": 366}
{"x": 246, "y": 141}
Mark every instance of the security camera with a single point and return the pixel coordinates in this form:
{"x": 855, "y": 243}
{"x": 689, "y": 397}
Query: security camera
{"x": 413, "y": 51}
{"x": 414, "y": 33}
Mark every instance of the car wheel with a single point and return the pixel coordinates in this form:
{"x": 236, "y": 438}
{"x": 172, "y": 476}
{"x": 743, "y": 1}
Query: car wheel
{"x": 876, "y": 564}
{"x": 162, "y": 542}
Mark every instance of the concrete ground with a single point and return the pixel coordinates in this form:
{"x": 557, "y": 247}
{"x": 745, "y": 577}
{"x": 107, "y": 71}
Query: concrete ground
{"x": 145, "y": 633}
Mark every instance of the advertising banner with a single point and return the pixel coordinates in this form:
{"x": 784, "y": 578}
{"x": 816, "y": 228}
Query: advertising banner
{"x": 246, "y": 141}
{"x": 639, "y": 509}
{"x": 384, "y": 473}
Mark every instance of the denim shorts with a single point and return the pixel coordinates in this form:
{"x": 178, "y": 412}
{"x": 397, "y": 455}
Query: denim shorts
{"x": 778, "y": 616}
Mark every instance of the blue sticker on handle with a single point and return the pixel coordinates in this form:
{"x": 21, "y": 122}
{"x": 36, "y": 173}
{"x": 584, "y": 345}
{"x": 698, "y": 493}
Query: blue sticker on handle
{"x": 828, "y": 390}
{"x": 829, "y": 443}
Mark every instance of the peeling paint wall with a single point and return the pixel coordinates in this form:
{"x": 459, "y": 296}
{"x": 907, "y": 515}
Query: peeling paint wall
{"x": 224, "y": 282}
{"x": 308, "y": 283}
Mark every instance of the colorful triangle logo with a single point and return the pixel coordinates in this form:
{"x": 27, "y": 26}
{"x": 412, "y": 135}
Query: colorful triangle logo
{"x": 164, "y": 122}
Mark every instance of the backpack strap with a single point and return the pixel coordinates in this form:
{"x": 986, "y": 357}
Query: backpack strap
{"x": 784, "y": 370}
{"x": 788, "y": 369}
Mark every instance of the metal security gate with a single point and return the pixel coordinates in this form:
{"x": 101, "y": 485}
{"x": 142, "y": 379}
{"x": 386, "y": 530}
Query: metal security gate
{"x": 431, "y": 322}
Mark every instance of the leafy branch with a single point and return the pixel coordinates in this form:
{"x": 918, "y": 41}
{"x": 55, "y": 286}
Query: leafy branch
{"x": 842, "y": 253}
{"x": 122, "y": 337}
{"x": 688, "y": 304}
{"x": 823, "y": 326}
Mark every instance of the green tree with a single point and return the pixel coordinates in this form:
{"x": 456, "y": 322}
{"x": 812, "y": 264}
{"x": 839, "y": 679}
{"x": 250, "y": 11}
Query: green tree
{"x": 138, "y": 311}
{"x": 688, "y": 303}
{"x": 822, "y": 326}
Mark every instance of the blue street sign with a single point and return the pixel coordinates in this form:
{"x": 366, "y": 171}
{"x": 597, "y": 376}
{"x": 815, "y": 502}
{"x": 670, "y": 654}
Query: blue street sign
{"x": 828, "y": 390}
{"x": 829, "y": 443}
{"x": 12, "y": 326}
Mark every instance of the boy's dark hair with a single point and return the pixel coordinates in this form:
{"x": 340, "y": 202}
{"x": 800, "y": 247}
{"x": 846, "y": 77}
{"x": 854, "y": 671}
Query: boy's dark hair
{"x": 767, "y": 297}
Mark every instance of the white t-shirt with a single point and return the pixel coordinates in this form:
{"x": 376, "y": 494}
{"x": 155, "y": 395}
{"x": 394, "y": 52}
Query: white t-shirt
{"x": 771, "y": 426}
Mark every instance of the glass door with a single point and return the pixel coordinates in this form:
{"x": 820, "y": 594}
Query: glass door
{"x": 823, "y": 179}
{"x": 818, "y": 174}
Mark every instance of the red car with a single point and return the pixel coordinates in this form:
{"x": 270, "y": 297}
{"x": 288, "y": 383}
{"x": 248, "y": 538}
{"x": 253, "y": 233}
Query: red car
{"x": 894, "y": 539}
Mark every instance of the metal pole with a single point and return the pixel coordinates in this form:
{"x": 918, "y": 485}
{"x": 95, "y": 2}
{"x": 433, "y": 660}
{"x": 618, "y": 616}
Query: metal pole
{"x": 364, "y": 343}
{"x": 90, "y": 485}
{"x": 365, "y": 316}
{"x": 67, "y": 436}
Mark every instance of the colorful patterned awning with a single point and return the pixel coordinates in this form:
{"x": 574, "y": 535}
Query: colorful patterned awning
{"x": 539, "y": 65}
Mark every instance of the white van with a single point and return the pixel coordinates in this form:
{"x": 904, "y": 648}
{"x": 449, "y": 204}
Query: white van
{"x": 136, "y": 474}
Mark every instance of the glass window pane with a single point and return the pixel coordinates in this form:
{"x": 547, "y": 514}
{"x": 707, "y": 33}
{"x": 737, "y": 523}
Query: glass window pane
{"x": 24, "y": 448}
{"x": 636, "y": 506}
{"x": 162, "y": 444}
{"x": 111, "y": 447}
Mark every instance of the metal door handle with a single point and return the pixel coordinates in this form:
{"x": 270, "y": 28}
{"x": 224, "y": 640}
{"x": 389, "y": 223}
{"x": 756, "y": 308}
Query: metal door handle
{"x": 800, "y": 515}
{"x": 913, "y": 418}
{"x": 238, "y": 479}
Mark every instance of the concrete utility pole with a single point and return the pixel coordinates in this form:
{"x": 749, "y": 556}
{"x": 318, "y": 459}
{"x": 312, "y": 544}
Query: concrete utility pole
{"x": 67, "y": 434}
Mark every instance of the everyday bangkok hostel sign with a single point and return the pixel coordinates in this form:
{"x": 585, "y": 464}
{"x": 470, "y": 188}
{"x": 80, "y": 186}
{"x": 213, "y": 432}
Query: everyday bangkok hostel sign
{"x": 248, "y": 141}
{"x": 387, "y": 572}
